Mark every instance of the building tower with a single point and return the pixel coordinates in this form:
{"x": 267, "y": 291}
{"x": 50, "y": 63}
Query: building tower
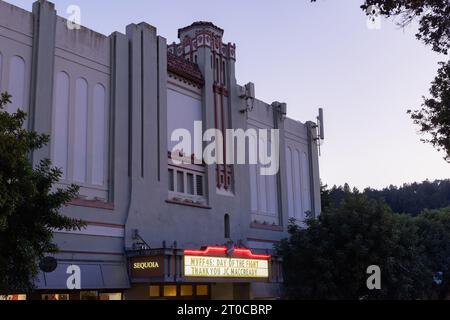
{"x": 201, "y": 43}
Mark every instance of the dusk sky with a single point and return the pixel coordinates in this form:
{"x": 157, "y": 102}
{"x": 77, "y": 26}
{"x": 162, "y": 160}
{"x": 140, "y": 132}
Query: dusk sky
{"x": 312, "y": 55}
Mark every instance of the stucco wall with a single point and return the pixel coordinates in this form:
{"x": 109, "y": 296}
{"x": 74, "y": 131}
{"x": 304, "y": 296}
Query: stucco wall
{"x": 16, "y": 40}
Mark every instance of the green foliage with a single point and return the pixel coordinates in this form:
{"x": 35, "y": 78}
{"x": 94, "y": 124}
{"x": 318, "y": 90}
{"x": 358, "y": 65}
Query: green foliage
{"x": 434, "y": 234}
{"x": 328, "y": 259}
{"x": 29, "y": 207}
{"x": 434, "y": 116}
{"x": 410, "y": 198}
{"x": 329, "y": 256}
{"x": 325, "y": 196}
{"x": 433, "y": 17}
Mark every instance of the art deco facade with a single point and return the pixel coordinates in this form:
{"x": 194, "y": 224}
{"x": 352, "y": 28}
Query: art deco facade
{"x": 110, "y": 104}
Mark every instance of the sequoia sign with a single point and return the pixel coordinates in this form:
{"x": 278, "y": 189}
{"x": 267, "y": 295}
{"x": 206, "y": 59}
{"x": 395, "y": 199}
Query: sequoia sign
{"x": 147, "y": 267}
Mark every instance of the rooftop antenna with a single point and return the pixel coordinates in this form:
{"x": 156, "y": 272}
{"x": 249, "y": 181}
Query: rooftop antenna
{"x": 320, "y": 129}
{"x": 321, "y": 124}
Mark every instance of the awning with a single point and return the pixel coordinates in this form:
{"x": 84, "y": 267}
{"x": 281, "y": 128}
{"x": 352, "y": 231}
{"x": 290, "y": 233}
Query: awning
{"x": 96, "y": 276}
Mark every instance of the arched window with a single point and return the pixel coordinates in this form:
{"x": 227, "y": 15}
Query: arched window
{"x": 61, "y": 122}
{"x": 80, "y": 139}
{"x": 17, "y": 84}
{"x": 99, "y": 135}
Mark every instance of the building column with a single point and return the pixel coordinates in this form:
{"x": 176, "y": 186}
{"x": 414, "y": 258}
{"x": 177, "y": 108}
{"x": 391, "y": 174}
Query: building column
{"x": 42, "y": 73}
{"x": 283, "y": 206}
{"x": 148, "y": 76}
{"x": 119, "y": 122}
{"x": 204, "y": 63}
{"x": 147, "y": 125}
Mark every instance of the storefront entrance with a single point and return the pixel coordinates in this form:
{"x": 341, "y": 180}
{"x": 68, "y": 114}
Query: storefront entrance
{"x": 169, "y": 291}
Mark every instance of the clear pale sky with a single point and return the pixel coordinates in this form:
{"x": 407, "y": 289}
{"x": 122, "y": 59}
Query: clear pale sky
{"x": 312, "y": 55}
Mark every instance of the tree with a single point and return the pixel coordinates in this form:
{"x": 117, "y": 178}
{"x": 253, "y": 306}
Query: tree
{"x": 329, "y": 258}
{"x": 325, "y": 196}
{"x": 29, "y": 208}
{"x": 433, "y": 227}
{"x": 434, "y": 116}
{"x": 433, "y": 17}
{"x": 410, "y": 198}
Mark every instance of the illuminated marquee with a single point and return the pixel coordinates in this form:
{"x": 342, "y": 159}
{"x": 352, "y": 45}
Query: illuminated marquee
{"x": 213, "y": 263}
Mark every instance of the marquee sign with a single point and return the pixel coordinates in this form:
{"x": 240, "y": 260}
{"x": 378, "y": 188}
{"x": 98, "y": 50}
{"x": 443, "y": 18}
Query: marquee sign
{"x": 213, "y": 262}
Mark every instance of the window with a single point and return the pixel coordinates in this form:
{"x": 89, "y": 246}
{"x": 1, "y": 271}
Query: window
{"x": 186, "y": 184}
{"x": 171, "y": 182}
{"x": 88, "y": 295}
{"x": 199, "y": 182}
{"x": 202, "y": 290}
{"x": 190, "y": 183}
{"x": 60, "y": 139}
{"x": 176, "y": 291}
{"x": 186, "y": 290}
{"x": 17, "y": 87}
{"x": 154, "y": 291}
{"x": 170, "y": 291}
{"x": 110, "y": 296}
{"x": 180, "y": 182}
{"x": 14, "y": 297}
{"x": 55, "y": 297}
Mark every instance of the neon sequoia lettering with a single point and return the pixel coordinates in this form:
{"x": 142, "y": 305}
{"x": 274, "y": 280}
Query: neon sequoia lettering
{"x": 146, "y": 265}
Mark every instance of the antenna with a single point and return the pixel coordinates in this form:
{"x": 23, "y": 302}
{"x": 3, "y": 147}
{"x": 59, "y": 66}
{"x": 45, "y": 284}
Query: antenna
{"x": 281, "y": 107}
{"x": 320, "y": 124}
{"x": 320, "y": 129}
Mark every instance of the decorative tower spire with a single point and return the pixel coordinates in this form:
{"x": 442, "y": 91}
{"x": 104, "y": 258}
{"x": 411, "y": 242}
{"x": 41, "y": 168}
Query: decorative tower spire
{"x": 201, "y": 34}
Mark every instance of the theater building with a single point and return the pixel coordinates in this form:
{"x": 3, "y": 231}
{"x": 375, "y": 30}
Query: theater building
{"x": 157, "y": 227}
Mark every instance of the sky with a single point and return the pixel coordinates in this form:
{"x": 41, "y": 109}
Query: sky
{"x": 313, "y": 55}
